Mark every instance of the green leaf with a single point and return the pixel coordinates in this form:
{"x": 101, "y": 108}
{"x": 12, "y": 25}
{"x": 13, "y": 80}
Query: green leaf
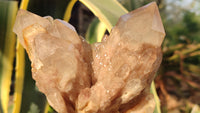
{"x": 156, "y": 98}
{"x": 95, "y": 31}
{"x": 24, "y": 4}
{"x": 25, "y": 86}
{"x": 8, "y": 10}
{"x": 26, "y": 92}
{"x": 54, "y": 8}
{"x": 129, "y": 4}
{"x": 68, "y": 11}
{"x": 108, "y": 11}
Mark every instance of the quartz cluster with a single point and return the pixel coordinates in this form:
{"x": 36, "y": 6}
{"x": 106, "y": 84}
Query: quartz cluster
{"x": 112, "y": 76}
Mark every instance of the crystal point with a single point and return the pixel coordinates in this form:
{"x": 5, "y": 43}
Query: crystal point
{"x": 112, "y": 76}
{"x": 144, "y": 22}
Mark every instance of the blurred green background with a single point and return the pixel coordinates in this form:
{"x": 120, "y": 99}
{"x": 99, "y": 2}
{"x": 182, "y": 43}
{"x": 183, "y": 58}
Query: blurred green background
{"x": 178, "y": 79}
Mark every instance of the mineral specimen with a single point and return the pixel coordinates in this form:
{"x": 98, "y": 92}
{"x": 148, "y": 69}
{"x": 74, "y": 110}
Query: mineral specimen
{"x": 112, "y": 76}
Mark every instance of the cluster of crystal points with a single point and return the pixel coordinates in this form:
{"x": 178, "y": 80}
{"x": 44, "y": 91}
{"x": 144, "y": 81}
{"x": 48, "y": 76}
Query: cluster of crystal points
{"x": 113, "y": 76}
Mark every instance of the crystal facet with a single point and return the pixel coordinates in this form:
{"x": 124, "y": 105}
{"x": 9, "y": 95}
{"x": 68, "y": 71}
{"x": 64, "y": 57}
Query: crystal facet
{"x": 112, "y": 76}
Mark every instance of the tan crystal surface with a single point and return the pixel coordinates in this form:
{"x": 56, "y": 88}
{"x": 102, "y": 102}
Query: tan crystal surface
{"x": 113, "y": 76}
{"x": 59, "y": 65}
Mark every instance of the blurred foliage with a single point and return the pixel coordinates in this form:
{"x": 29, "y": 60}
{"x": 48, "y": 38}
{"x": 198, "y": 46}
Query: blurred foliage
{"x": 186, "y": 31}
{"x": 8, "y": 10}
{"x": 179, "y": 77}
